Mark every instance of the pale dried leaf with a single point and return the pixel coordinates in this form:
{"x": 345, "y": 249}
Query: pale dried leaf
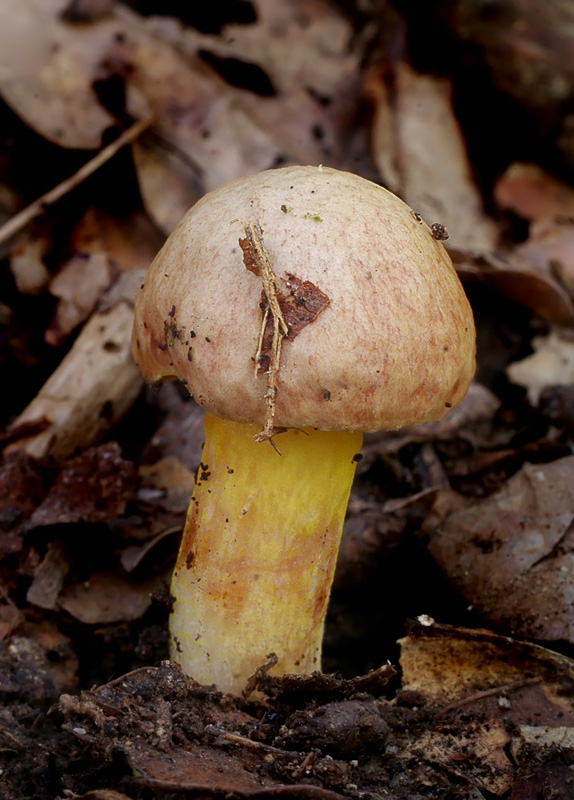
{"x": 47, "y": 70}
{"x": 551, "y": 364}
{"x": 305, "y": 51}
{"x": 79, "y": 285}
{"x": 49, "y": 576}
{"x": 101, "y": 246}
{"x": 27, "y": 263}
{"x": 429, "y": 166}
{"x": 172, "y": 480}
{"x": 169, "y": 183}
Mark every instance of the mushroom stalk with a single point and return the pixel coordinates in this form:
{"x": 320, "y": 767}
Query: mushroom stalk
{"x": 259, "y": 550}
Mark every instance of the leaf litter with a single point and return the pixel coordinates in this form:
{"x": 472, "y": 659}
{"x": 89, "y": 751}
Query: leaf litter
{"x": 467, "y": 520}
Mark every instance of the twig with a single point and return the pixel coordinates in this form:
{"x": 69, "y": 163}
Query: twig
{"x": 35, "y": 209}
{"x": 280, "y": 330}
{"x": 243, "y": 741}
{"x": 477, "y": 696}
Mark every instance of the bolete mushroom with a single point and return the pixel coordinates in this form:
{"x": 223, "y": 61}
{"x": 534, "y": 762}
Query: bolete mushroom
{"x": 300, "y": 306}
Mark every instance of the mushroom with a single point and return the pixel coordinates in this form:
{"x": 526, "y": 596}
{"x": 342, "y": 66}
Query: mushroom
{"x": 301, "y": 307}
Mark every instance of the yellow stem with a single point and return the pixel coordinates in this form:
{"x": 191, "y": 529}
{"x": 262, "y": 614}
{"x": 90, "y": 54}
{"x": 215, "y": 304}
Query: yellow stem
{"x": 258, "y": 553}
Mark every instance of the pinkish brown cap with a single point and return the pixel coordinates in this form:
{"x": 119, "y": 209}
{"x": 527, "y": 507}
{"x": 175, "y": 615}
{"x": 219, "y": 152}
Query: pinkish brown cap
{"x": 393, "y": 344}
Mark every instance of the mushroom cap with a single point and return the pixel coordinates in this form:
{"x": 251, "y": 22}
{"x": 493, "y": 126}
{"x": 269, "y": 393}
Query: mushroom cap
{"x": 395, "y": 345}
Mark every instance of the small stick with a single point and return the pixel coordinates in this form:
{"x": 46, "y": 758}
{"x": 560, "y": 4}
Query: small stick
{"x": 35, "y": 209}
{"x": 473, "y": 698}
{"x": 280, "y": 330}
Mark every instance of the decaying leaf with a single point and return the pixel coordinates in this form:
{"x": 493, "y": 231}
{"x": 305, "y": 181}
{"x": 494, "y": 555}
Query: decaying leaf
{"x": 94, "y": 487}
{"x": 10, "y": 616}
{"x": 181, "y": 433}
{"x": 511, "y": 555}
{"x": 171, "y": 482}
{"x": 525, "y": 46}
{"x": 478, "y": 407}
{"x": 22, "y": 488}
{"x": 480, "y": 692}
{"x": 37, "y": 665}
{"x": 107, "y": 597}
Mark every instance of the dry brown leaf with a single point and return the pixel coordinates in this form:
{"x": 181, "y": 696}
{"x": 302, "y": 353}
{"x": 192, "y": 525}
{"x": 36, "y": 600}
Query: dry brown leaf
{"x": 10, "y": 616}
{"x": 207, "y": 131}
{"x": 101, "y": 247}
{"x": 526, "y": 46}
{"x": 479, "y": 405}
{"x": 94, "y": 487}
{"x": 539, "y": 779}
{"x": 181, "y": 433}
{"x": 21, "y": 491}
{"x": 534, "y": 194}
{"x": 541, "y": 293}
{"x": 511, "y": 555}
{"x": 420, "y": 152}
{"x": 107, "y": 597}
{"x": 479, "y": 690}
{"x": 132, "y": 556}
{"x": 550, "y": 249}
{"x": 38, "y": 664}
{"x": 169, "y": 182}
